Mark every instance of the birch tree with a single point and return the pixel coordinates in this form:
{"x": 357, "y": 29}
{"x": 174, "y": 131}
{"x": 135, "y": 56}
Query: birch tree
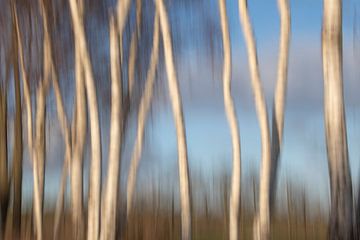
{"x": 110, "y": 195}
{"x": 144, "y": 108}
{"x": 4, "y": 166}
{"x": 234, "y": 204}
{"x": 76, "y": 10}
{"x": 62, "y": 117}
{"x": 35, "y": 143}
{"x": 27, "y": 98}
{"x": 280, "y": 95}
{"x": 341, "y": 218}
{"x": 262, "y": 220}
{"x": 175, "y": 98}
{"x": 17, "y": 145}
{"x": 108, "y": 224}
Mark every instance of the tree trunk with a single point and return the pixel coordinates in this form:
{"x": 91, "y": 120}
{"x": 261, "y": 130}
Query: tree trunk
{"x": 234, "y": 204}
{"x": 108, "y": 225}
{"x": 78, "y": 152}
{"x": 144, "y": 108}
{"x": 18, "y": 148}
{"x": 280, "y": 96}
{"x": 262, "y": 220}
{"x": 27, "y": 97}
{"x": 341, "y": 218}
{"x": 95, "y": 165}
{"x": 175, "y": 98}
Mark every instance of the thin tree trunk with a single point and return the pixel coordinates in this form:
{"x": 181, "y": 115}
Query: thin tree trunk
{"x": 18, "y": 148}
{"x": 27, "y": 97}
{"x": 341, "y": 218}
{"x": 67, "y": 157}
{"x": 175, "y": 98}
{"x": 78, "y": 152}
{"x": 108, "y": 223}
{"x": 62, "y": 117}
{"x": 280, "y": 95}
{"x": 39, "y": 156}
{"x": 262, "y": 220}
{"x": 135, "y": 36}
{"x": 144, "y": 108}
{"x": 95, "y": 165}
{"x": 234, "y": 204}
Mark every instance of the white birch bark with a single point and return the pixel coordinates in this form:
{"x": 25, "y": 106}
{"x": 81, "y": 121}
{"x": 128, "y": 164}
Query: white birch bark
{"x": 32, "y": 151}
{"x": 95, "y": 165}
{"x": 110, "y": 195}
{"x": 76, "y": 179}
{"x": 108, "y": 223}
{"x": 144, "y": 108}
{"x": 341, "y": 218}
{"x": 234, "y": 204}
{"x": 280, "y": 95}
{"x": 262, "y": 221}
{"x": 67, "y": 157}
{"x": 62, "y": 117}
{"x": 175, "y": 98}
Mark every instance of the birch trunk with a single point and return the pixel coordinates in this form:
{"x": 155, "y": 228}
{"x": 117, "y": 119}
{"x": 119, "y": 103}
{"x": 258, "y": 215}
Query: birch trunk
{"x": 4, "y": 168}
{"x": 135, "y": 36}
{"x": 108, "y": 225}
{"x": 66, "y": 134}
{"x": 95, "y": 165}
{"x": 17, "y": 146}
{"x": 262, "y": 220}
{"x": 280, "y": 95}
{"x": 27, "y": 97}
{"x": 78, "y": 152}
{"x": 234, "y": 204}
{"x": 144, "y": 108}
{"x": 175, "y": 98}
{"x": 39, "y": 157}
{"x": 341, "y": 218}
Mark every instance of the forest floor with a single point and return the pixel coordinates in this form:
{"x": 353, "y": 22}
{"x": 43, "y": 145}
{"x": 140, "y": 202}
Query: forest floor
{"x": 164, "y": 225}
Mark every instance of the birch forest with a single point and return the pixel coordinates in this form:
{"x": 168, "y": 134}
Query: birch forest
{"x": 179, "y": 119}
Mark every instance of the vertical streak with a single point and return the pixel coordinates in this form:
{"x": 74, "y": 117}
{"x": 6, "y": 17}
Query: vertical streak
{"x": 280, "y": 95}
{"x": 234, "y": 204}
{"x": 175, "y": 98}
{"x": 144, "y": 108}
{"x": 17, "y": 144}
{"x": 262, "y": 221}
{"x": 108, "y": 223}
{"x": 341, "y": 220}
{"x": 95, "y": 165}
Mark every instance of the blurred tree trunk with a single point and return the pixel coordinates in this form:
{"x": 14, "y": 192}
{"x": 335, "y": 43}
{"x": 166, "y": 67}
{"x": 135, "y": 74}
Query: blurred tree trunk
{"x": 280, "y": 96}
{"x": 76, "y": 176}
{"x": 108, "y": 224}
{"x": 234, "y": 204}
{"x": 341, "y": 214}
{"x": 262, "y": 220}
{"x": 144, "y": 108}
{"x": 61, "y": 113}
{"x": 18, "y": 144}
{"x": 77, "y": 15}
{"x": 176, "y": 103}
